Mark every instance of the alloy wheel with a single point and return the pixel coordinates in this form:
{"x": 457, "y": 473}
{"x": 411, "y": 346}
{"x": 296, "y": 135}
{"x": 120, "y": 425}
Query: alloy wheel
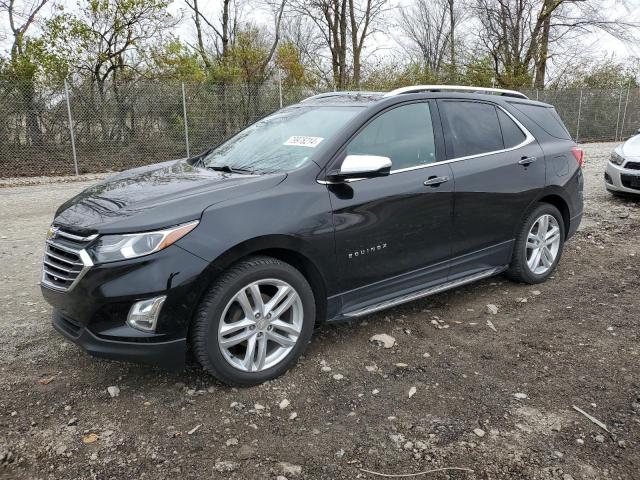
{"x": 543, "y": 244}
{"x": 260, "y": 325}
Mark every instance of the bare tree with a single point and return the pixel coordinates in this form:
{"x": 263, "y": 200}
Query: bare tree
{"x": 572, "y": 21}
{"x": 518, "y": 33}
{"x": 21, "y": 19}
{"x": 300, "y": 31}
{"x": 330, "y": 17}
{"x": 424, "y": 23}
{"x": 364, "y": 17}
{"x": 224, "y": 29}
{"x": 344, "y": 25}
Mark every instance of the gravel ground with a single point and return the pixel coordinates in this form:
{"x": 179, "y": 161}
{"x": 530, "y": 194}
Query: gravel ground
{"x": 498, "y": 402}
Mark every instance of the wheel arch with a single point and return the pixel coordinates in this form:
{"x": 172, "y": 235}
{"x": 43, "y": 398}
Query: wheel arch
{"x": 295, "y": 252}
{"x": 562, "y": 205}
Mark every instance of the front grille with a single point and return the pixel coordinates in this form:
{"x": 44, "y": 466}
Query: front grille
{"x": 631, "y": 181}
{"x": 65, "y": 259}
{"x": 632, "y": 165}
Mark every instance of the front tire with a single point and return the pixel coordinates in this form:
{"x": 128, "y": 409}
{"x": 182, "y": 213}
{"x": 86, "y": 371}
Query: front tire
{"x": 538, "y": 246}
{"x": 254, "y": 322}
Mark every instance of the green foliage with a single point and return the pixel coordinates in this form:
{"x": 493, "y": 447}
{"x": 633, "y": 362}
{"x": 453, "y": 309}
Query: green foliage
{"x": 106, "y": 37}
{"x": 606, "y": 74}
{"x": 247, "y": 57}
{"x": 289, "y": 62}
{"x": 175, "y": 61}
{"x": 478, "y": 72}
{"x": 516, "y": 76}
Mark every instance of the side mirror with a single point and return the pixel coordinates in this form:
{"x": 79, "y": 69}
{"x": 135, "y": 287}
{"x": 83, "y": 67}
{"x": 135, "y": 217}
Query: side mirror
{"x": 363, "y": 166}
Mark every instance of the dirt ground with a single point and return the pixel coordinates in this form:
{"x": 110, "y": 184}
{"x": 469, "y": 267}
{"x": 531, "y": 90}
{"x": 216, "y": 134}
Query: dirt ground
{"x": 497, "y": 402}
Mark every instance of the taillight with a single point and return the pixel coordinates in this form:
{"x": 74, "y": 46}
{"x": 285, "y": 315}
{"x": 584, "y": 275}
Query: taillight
{"x": 578, "y": 153}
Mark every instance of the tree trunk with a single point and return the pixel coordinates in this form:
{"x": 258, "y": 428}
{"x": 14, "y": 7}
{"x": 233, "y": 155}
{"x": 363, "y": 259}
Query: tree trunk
{"x": 343, "y": 45}
{"x": 355, "y": 47}
{"x": 452, "y": 37}
{"x": 28, "y": 91}
{"x": 225, "y": 29}
{"x": 201, "y": 49}
{"x": 543, "y": 55}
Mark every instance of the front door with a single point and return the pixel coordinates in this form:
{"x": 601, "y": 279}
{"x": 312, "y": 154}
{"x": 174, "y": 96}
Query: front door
{"x": 392, "y": 233}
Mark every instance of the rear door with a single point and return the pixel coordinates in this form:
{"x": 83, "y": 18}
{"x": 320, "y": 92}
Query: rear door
{"x": 499, "y": 170}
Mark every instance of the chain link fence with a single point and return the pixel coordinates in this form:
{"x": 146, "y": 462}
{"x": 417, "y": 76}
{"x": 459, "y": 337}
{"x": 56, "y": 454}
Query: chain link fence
{"x": 94, "y": 128}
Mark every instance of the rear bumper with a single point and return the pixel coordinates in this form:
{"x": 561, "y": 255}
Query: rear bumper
{"x": 574, "y": 223}
{"x": 166, "y": 354}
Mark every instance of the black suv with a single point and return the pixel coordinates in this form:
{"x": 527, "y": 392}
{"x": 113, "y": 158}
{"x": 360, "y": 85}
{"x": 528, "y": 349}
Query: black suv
{"x": 339, "y": 206}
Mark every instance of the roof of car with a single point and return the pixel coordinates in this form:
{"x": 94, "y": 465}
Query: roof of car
{"x": 362, "y": 98}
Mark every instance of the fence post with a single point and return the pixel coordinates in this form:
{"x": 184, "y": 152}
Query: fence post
{"x": 624, "y": 115}
{"x": 280, "y": 86}
{"x": 73, "y": 138}
{"x": 186, "y": 125}
{"x": 618, "y": 120}
{"x": 579, "y": 112}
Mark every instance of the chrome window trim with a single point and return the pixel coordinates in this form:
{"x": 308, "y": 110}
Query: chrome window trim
{"x": 529, "y": 138}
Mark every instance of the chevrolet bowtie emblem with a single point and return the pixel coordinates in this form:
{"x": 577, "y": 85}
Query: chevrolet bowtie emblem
{"x": 52, "y": 233}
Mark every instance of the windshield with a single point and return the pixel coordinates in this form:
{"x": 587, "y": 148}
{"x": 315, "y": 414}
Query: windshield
{"x": 280, "y": 142}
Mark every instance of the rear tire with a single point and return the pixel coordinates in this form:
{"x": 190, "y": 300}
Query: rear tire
{"x": 538, "y": 246}
{"x": 254, "y": 322}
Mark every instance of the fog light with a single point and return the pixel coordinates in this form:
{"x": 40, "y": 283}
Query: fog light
{"x": 144, "y": 314}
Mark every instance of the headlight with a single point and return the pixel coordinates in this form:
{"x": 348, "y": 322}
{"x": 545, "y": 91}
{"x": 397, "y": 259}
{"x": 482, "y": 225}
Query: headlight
{"x": 111, "y": 248}
{"x": 617, "y": 159}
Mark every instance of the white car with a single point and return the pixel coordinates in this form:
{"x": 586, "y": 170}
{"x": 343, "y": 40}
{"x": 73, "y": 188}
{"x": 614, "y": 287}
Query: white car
{"x": 623, "y": 170}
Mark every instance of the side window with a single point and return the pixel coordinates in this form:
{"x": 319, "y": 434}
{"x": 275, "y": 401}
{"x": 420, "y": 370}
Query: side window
{"x": 546, "y": 117}
{"x": 511, "y": 133}
{"x": 403, "y": 134}
{"x": 473, "y": 127}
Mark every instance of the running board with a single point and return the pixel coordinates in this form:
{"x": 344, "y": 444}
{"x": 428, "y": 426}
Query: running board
{"x": 424, "y": 293}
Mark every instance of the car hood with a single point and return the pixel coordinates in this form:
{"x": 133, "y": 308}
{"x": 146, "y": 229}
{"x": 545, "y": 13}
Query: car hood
{"x": 154, "y": 197}
{"x": 631, "y": 148}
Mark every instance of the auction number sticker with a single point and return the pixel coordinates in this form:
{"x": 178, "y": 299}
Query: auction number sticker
{"x": 302, "y": 141}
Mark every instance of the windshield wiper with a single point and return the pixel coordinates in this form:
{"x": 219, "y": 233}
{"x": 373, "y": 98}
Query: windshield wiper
{"x": 228, "y": 169}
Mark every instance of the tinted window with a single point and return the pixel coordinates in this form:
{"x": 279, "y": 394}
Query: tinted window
{"x": 404, "y": 134}
{"x": 282, "y": 141}
{"x": 511, "y": 133}
{"x": 546, "y": 118}
{"x": 473, "y": 128}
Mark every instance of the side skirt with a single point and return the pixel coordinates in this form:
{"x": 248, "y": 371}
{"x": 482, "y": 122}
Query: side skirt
{"x": 419, "y": 294}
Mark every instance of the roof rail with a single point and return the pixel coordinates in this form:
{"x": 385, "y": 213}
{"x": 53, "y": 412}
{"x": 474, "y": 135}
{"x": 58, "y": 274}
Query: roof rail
{"x": 459, "y": 88}
{"x": 341, "y": 94}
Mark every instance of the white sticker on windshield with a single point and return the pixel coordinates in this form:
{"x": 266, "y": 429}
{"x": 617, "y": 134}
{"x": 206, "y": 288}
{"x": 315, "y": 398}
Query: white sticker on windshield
{"x": 302, "y": 141}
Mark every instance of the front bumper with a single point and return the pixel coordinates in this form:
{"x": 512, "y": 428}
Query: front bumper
{"x": 620, "y": 179}
{"x": 93, "y": 314}
{"x": 168, "y": 354}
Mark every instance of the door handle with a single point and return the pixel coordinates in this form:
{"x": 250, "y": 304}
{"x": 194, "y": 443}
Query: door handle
{"x": 435, "y": 181}
{"x": 526, "y": 161}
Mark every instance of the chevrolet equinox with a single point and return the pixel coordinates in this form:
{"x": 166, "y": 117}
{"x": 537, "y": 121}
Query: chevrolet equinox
{"x": 344, "y": 204}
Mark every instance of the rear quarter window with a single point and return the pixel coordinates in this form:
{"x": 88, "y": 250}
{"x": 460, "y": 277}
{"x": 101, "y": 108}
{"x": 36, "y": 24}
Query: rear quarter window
{"x": 546, "y": 118}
